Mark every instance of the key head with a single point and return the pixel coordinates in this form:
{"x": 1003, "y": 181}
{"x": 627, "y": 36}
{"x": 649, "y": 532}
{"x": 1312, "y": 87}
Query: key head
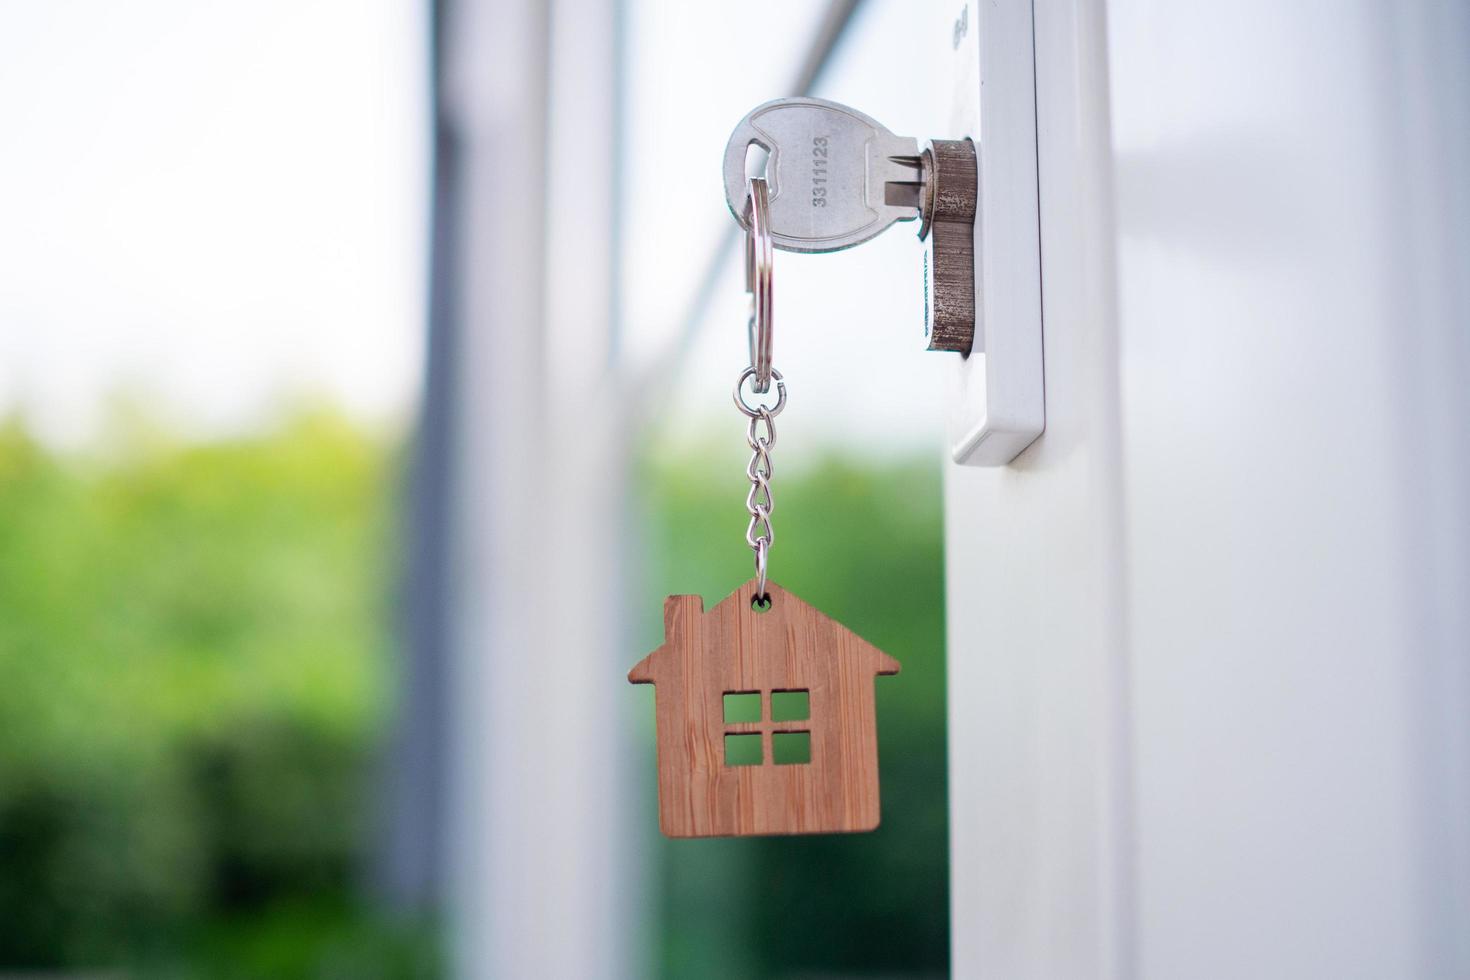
{"x": 836, "y": 178}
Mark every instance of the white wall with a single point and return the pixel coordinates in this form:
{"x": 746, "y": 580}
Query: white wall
{"x": 1208, "y": 636}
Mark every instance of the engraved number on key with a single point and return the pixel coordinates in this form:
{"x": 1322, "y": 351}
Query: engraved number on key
{"x": 819, "y": 171}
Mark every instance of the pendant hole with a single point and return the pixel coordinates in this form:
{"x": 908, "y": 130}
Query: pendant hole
{"x": 761, "y": 603}
{"x": 757, "y": 160}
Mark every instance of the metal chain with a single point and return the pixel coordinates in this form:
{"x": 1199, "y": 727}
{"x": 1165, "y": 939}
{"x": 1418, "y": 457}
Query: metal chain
{"x": 759, "y": 502}
{"x": 758, "y": 273}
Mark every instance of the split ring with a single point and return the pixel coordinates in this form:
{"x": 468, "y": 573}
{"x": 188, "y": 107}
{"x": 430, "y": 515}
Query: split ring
{"x": 745, "y": 408}
{"x": 761, "y": 595}
{"x": 759, "y": 267}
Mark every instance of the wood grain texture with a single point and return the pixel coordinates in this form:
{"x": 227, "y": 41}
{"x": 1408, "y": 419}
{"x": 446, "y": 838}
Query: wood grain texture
{"x": 732, "y": 648}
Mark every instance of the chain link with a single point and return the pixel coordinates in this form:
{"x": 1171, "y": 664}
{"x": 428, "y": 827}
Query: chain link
{"x": 759, "y": 502}
{"x": 760, "y": 436}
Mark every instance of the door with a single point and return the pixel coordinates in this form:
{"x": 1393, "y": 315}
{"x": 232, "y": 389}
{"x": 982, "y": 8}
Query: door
{"x": 1208, "y": 634}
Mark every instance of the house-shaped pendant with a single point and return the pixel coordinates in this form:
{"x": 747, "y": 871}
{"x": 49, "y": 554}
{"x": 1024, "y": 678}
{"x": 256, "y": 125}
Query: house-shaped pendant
{"x": 766, "y": 718}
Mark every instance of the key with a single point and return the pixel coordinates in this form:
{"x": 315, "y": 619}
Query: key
{"x": 836, "y": 177}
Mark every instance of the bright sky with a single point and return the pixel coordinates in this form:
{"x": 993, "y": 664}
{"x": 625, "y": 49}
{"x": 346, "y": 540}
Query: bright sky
{"x": 213, "y": 206}
{"x": 221, "y": 207}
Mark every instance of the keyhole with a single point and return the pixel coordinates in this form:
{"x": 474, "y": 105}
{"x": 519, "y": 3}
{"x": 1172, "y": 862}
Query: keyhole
{"x": 757, "y": 158}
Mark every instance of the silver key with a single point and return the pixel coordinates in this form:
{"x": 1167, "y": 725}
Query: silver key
{"x": 836, "y": 177}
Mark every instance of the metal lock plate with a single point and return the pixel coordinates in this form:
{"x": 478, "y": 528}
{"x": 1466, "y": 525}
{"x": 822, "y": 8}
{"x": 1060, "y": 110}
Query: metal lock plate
{"x": 996, "y": 399}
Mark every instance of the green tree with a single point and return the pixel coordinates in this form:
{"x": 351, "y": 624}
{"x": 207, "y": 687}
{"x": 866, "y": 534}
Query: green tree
{"x": 193, "y": 645}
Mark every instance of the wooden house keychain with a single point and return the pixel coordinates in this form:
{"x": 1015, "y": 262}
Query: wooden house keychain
{"x": 764, "y": 706}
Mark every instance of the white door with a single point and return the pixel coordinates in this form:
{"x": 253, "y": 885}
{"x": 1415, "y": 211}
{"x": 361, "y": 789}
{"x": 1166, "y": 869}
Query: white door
{"x": 1209, "y": 648}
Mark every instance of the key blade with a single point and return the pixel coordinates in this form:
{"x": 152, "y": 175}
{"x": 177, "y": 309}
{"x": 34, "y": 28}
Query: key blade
{"x": 836, "y": 177}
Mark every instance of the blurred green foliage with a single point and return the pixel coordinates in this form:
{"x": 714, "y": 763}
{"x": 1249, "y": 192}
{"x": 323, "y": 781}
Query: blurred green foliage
{"x": 863, "y": 544}
{"x": 193, "y": 674}
{"x": 194, "y": 680}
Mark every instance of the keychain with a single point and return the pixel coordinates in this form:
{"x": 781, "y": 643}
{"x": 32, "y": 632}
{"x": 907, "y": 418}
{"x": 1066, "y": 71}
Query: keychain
{"x": 764, "y": 706}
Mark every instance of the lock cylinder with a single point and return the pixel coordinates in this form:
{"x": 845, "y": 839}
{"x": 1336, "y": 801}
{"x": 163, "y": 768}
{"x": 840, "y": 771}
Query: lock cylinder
{"x": 949, "y": 176}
